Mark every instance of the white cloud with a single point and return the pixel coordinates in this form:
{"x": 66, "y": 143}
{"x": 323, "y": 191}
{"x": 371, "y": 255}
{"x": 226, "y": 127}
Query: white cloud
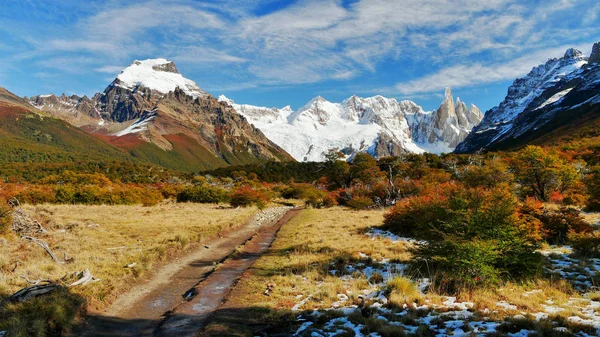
{"x": 460, "y": 76}
{"x": 317, "y": 40}
{"x": 109, "y": 69}
{"x": 196, "y": 54}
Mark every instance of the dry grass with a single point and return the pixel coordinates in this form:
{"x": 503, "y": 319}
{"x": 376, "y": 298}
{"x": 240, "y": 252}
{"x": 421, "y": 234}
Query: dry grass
{"x": 317, "y": 242}
{"x": 300, "y": 264}
{"x": 104, "y": 239}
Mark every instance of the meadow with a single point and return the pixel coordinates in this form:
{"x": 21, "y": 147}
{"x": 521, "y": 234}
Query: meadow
{"x": 120, "y": 246}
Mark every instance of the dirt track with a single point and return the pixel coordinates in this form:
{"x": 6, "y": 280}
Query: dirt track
{"x": 180, "y": 296}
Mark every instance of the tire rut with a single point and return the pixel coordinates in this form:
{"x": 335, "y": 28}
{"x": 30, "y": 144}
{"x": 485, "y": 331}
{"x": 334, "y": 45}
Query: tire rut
{"x": 146, "y": 308}
{"x": 190, "y": 317}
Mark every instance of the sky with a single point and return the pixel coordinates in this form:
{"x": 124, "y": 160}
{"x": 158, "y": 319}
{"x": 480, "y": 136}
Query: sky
{"x": 276, "y": 53}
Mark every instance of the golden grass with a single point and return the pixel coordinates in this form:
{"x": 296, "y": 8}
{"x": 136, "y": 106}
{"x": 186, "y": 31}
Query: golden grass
{"x": 104, "y": 239}
{"x": 300, "y": 262}
{"x": 318, "y": 241}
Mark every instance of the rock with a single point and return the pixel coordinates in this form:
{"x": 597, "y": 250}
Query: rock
{"x": 595, "y": 55}
{"x": 166, "y": 67}
{"x": 461, "y": 113}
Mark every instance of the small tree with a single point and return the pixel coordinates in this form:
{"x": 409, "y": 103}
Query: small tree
{"x": 540, "y": 172}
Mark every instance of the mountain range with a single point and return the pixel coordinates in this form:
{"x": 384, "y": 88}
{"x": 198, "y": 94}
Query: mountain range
{"x": 378, "y": 125}
{"x": 553, "y": 100}
{"x": 151, "y": 113}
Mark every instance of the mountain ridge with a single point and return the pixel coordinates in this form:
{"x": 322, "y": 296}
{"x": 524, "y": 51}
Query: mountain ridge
{"x": 378, "y": 125}
{"x": 150, "y": 107}
{"x": 562, "y": 89}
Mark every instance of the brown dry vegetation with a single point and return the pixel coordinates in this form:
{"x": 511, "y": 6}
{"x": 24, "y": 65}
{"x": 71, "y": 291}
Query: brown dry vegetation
{"x": 104, "y": 239}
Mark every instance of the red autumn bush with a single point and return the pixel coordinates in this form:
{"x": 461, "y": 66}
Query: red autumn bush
{"x": 246, "y": 196}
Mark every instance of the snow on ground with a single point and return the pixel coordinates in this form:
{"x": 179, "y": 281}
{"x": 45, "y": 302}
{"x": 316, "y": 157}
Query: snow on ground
{"x": 381, "y": 234}
{"x": 450, "y": 317}
{"x": 137, "y": 126}
{"x": 583, "y": 274}
{"x": 555, "y": 98}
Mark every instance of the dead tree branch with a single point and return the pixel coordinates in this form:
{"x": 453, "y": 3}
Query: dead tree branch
{"x": 44, "y": 245}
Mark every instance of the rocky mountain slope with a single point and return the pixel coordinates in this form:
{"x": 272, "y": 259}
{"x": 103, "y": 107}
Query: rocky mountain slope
{"x": 29, "y": 135}
{"x": 158, "y": 115}
{"x": 378, "y": 125}
{"x": 552, "y": 99}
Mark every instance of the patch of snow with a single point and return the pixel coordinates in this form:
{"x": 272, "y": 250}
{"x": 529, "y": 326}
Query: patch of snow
{"x": 138, "y": 126}
{"x": 555, "y": 98}
{"x": 148, "y": 74}
{"x": 379, "y": 233}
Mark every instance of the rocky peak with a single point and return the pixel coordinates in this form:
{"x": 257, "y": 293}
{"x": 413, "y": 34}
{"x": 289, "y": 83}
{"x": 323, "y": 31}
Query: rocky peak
{"x": 595, "y": 55}
{"x": 223, "y": 98}
{"x": 446, "y": 111}
{"x": 461, "y": 113}
{"x": 159, "y": 75}
{"x": 168, "y": 67}
{"x": 317, "y": 109}
{"x": 474, "y": 116}
{"x": 573, "y": 53}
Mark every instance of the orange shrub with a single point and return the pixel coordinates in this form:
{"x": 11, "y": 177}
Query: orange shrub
{"x": 246, "y": 196}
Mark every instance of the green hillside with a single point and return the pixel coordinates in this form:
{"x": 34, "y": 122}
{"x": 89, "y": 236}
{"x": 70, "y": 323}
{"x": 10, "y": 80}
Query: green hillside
{"x": 27, "y": 136}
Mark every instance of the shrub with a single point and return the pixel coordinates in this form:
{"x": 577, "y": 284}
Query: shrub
{"x": 246, "y": 196}
{"x": 360, "y": 202}
{"x": 419, "y": 216}
{"x": 593, "y": 187}
{"x": 585, "y": 244}
{"x": 529, "y": 213}
{"x": 558, "y": 224}
{"x": 312, "y": 196}
{"x": 203, "y": 194}
{"x": 5, "y": 216}
{"x": 490, "y": 173}
{"x": 458, "y": 263}
{"x": 476, "y": 237}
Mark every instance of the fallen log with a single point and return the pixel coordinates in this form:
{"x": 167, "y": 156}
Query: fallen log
{"x": 28, "y": 293}
{"x": 24, "y": 224}
{"x": 35, "y": 282}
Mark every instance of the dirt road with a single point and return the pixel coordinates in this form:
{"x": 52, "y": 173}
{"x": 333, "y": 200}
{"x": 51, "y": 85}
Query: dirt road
{"x": 185, "y": 292}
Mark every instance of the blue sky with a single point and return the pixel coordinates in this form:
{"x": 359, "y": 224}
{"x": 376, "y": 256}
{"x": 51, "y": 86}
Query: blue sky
{"x": 275, "y": 53}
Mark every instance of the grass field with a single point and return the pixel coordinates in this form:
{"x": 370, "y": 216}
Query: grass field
{"x": 301, "y": 263}
{"x": 323, "y": 260}
{"x": 104, "y": 239}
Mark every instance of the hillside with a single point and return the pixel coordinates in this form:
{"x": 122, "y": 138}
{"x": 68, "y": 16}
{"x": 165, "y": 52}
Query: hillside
{"x": 29, "y": 135}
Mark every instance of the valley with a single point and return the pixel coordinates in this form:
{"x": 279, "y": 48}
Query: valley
{"x": 140, "y": 203}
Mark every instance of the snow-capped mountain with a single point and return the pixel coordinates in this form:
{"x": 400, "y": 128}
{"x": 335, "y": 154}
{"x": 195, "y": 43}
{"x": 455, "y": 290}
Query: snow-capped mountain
{"x": 156, "y": 74}
{"x": 378, "y": 125}
{"x": 535, "y": 102}
{"x": 150, "y": 109}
